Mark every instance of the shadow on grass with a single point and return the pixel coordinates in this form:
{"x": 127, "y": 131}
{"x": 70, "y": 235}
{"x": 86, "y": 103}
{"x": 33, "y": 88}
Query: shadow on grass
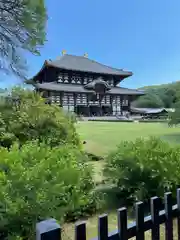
{"x": 93, "y": 157}
{"x": 172, "y": 138}
{"x": 114, "y": 200}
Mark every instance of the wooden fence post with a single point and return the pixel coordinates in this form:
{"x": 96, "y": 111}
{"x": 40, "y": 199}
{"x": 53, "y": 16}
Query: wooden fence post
{"x": 80, "y": 231}
{"x": 48, "y": 229}
{"x": 103, "y": 227}
{"x": 122, "y": 223}
{"x": 140, "y": 221}
{"x": 155, "y": 205}
{"x": 178, "y": 210}
{"x": 168, "y": 214}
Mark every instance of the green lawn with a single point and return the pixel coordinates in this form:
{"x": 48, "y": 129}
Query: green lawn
{"x": 102, "y": 137}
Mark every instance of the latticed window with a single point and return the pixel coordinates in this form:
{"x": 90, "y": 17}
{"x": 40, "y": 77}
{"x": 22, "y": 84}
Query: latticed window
{"x": 125, "y": 101}
{"x": 78, "y": 79}
{"x": 60, "y": 78}
{"x": 73, "y": 79}
{"x": 66, "y": 78}
{"x": 57, "y": 99}
{"x": 84, "y": 98}
{"x": 65, "y": 99}
{"x": 118, "y": 100}
{"x": 78, "y": 99}
{"x": 70, "y": 99}
{"x": 107, "y": 99}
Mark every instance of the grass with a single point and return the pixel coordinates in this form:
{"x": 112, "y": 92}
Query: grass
{"x": 68, "y": 229}
{"x": 68, "y": 232}
{"x": 102, "y": 137}
{"x": 97, "y": 168}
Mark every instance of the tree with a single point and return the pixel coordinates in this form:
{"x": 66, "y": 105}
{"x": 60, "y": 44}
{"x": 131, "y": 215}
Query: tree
{"x": 151, "y": 100}
{"x": 164, "y": 95}
{"x": 22, "y": 27}
{"x": 175, "y": 116}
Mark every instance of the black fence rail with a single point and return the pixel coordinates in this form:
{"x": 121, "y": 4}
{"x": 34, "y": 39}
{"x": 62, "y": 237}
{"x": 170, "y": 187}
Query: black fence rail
{"x": 50, "y": 230}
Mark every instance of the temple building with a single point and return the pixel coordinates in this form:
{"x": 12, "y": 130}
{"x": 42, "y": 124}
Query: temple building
{"x": 84, "y": 86}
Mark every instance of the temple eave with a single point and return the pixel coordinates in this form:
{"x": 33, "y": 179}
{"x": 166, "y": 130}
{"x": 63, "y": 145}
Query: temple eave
{"x": 80, "y": 88}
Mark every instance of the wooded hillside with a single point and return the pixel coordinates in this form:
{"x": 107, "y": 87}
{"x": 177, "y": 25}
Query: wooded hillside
{"x": 165, "y": 95}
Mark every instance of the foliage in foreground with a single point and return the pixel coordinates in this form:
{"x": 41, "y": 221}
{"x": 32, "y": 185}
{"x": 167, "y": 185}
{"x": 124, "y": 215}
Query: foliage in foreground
{"x": 144, "y": 168}
{"x": 26, "y": 117}
{"x": 38, "y": 182}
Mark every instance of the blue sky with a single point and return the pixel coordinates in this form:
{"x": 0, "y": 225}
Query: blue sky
{"x": 138, "y": 35}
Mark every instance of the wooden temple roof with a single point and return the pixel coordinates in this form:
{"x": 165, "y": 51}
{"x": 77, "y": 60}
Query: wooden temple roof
{"x": 54, "y": 86}
{"x": 84, "y": 64}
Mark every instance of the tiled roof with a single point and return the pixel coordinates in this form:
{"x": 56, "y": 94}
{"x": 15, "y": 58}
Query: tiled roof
{"x": 149, "y": 110}
{"x": 84, "y": 64}
{"x": 54, "y": 86}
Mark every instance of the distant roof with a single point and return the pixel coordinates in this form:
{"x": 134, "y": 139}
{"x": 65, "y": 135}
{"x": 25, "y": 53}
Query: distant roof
{"x": 151, "y": 110}
{"x": 54, "y": 86}
{"x": 84, "y": 64}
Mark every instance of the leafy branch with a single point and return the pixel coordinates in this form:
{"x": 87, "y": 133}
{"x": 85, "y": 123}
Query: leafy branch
{"x": 22, "y": 28}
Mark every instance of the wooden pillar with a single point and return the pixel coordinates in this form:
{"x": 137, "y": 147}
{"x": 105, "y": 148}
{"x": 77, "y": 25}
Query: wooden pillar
{"x": 121, "y": 104}
{"x": 100, "y": 103}
{"x": 69, "y": 77}
{"x": 111, "y": 100}
{"x": 82, "y": 78}
{"x": 129, "y": 103}
{"x": 75, "y": 103}
{"x": 87, "y": 95}
{"x": 61, "y": 99}
{"x": 74, "y": 96}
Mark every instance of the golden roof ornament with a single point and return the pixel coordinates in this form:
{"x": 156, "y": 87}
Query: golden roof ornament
{"x": 86, "y": 55}
{"x": 63, "y": 52}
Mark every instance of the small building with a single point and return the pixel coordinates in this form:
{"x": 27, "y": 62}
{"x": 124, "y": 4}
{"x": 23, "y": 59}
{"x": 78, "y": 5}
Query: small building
{"x": 84, "y": 86}
{"x": 150, "y": 112}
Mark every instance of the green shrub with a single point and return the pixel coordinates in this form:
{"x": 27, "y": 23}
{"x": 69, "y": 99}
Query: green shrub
{"x": 144, "y": 168}
{"x": 6, "y": 138}
{"x": 38, "y": 182}
{"x": 71, "y": 116}
{"x": 26, "y": 117}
